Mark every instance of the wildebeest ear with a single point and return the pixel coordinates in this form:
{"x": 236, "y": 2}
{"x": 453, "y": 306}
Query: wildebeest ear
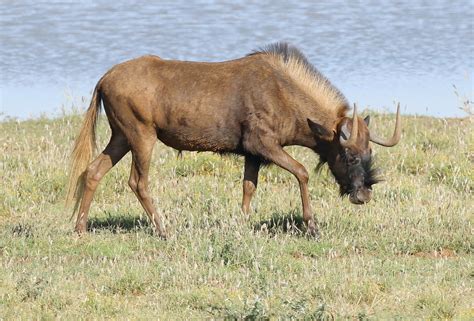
{"x": 367, "y": 120}
{"x": 319, "y": 130}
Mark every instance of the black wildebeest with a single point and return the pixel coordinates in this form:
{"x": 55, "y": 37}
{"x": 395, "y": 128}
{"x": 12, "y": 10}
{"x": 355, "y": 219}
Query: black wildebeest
{"x": 253, "y": 106}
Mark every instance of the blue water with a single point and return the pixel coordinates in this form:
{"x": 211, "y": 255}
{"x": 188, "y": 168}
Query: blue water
{"x": 52, "y": 54}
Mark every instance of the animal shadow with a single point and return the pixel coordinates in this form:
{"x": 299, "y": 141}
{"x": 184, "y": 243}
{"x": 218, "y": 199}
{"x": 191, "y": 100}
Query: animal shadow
{"x": 289, "y": 222}
{"x": 117, "y": 223}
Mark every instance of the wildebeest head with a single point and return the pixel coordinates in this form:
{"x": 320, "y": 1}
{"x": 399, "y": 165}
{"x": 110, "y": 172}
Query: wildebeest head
{"x": 349, "y": 155}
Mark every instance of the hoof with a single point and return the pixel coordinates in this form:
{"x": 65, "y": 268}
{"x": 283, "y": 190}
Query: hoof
{"x": 313, "y": 231}
{"x": 80, "y": 230}
{"x": 161, "y": 234}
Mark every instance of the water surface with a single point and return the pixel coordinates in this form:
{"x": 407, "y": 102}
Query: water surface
{"x": 376, "y": 53}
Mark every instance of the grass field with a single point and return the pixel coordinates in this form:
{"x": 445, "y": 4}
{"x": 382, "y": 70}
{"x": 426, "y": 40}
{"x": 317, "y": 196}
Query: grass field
{"x": 407, "y": 254}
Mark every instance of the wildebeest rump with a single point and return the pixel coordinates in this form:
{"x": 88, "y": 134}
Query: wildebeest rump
{"x": 253, "y": 106}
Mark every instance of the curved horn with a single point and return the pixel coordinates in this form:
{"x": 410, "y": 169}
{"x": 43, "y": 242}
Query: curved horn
{"x": 396, "y": 134}
{"x": 353, "y": 139}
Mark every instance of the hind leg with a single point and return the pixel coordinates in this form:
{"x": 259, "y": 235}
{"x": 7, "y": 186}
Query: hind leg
{"x": 113, "y": 153}
{"x": 141, "y": 157}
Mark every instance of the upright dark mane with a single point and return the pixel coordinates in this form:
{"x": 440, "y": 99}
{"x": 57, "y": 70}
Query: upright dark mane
{"x": 297, "y": 65}
{"x": 287, "y": 52}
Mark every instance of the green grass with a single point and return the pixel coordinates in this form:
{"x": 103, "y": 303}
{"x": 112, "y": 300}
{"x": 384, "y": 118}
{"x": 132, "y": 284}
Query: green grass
{"x": 407, "y": 254}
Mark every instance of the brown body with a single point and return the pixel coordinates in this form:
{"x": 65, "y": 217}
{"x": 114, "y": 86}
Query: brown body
{"x": 253, "y": 106}
{"x": 220, "y": 107}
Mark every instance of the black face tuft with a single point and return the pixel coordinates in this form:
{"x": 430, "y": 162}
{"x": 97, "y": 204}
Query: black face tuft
{"x": 350, "y": 171}
{"x": 354, "y": 172}
{"x": 371, "y": 174}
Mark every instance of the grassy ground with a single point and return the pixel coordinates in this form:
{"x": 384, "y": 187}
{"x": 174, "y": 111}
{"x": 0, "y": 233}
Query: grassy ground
{"x": 407, "y": 254}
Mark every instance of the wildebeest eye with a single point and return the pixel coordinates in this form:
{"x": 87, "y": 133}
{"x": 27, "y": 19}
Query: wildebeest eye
{"x": 351, "y": 159}
{"x": 355, "y": 161}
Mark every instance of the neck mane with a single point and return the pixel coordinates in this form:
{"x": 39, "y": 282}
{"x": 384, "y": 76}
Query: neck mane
{"x": 291, "y": 61}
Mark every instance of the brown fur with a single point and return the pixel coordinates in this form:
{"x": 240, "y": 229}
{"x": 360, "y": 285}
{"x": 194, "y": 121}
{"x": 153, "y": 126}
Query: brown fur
{"x": 253, "y": 106}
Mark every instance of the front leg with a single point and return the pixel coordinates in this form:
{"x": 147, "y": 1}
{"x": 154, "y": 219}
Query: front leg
{"x": 251, "y": 168}
{"x": 281, "y": 158}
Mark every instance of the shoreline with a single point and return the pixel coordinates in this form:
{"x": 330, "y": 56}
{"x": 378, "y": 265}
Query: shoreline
{"x": 418, "y": 96}
{"x": 74, "y": 111}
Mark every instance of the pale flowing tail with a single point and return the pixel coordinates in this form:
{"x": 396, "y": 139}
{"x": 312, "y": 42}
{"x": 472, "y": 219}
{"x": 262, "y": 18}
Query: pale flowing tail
{"x": 84, "y": 149}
